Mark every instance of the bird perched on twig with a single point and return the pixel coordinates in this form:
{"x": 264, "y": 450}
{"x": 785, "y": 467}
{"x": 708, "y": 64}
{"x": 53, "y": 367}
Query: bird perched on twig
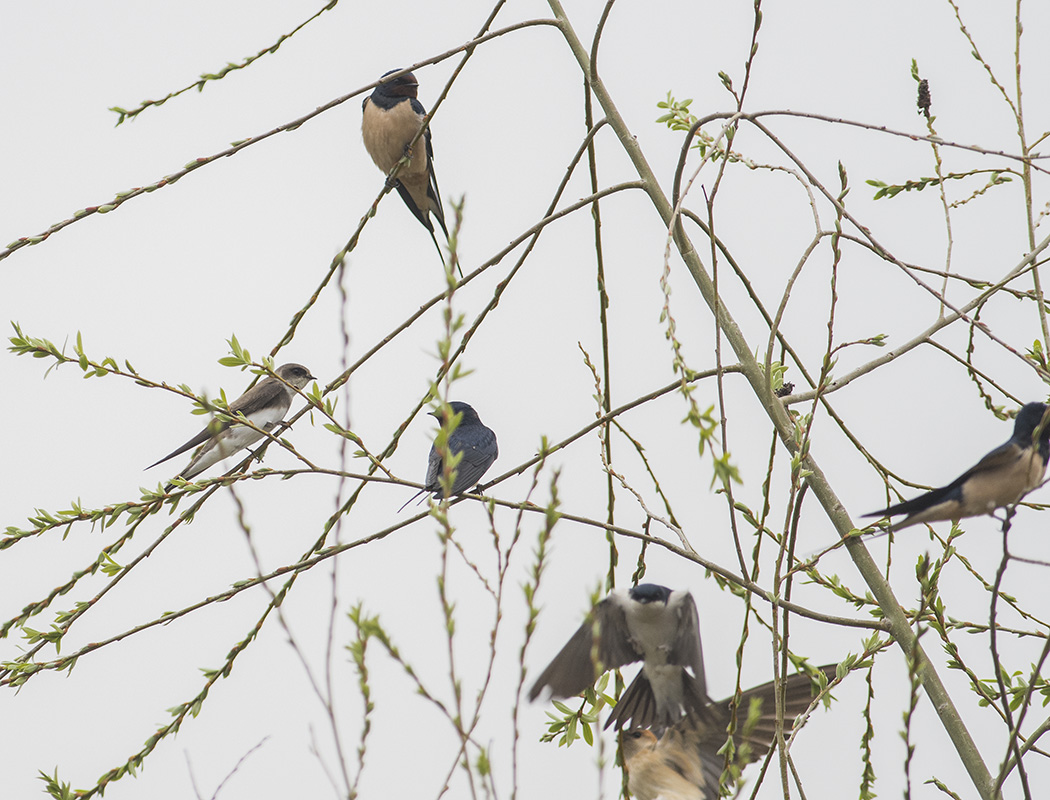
{"x": 647, "y": 623}
{"x": 1000, "y": 479}
{"x": 470, "y": 438}
{"x": 686, "y": 763}
{"x": 264, "y": 405}
{"x": 390, "y": 118}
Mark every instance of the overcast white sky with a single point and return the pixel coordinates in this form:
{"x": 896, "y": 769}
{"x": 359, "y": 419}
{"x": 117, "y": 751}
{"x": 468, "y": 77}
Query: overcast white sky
{"x": 239, "y": 246}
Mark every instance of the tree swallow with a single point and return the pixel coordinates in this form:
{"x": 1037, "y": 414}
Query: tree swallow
{"x": 686, "y": 763}
{"x": 264, "y": 405}
{"x": 389, "y": 120}
{"x": 471, "y": 438}
{"x": 999, "y": 479}
{"x": 647, "y": 623}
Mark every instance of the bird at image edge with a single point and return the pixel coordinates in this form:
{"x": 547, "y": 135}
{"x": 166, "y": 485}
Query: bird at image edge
{"x": 1001, "y": 478}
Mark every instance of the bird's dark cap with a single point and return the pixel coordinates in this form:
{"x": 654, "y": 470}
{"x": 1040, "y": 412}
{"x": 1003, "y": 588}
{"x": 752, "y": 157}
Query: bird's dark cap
{"x": 649, "y": 593}
{"x": 294, "y": 373}
{"x": 1028, "y": 419}
{"x": 457, "y": 407}
{"x": 408, "y": 79}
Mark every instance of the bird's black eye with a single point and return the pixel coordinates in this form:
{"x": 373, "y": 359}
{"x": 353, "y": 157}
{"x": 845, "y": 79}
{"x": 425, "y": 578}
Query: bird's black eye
{"x": 635, "y": 734}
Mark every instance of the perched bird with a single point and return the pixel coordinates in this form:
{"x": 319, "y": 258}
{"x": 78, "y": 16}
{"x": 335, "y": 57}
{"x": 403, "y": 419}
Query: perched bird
{"x": 999, "y": 479}
{"x": 389, "y": 120}
{"x": 685, "y": 764}
{"x": 471, "y": 438}
{"x": 647, "y": 623}
{"x": 264, "y": 405}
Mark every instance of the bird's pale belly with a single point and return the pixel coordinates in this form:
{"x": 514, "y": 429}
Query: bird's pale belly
{"x": 386, "y": 134}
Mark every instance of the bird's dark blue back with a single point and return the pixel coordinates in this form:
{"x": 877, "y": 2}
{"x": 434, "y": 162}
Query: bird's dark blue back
{"x": 476, "y": 442}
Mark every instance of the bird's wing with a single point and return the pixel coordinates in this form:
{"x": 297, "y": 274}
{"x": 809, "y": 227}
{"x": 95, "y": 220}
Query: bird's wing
{"x": 478, "y": 449}
{"x": 687, "y": 649}
{"x": 422, "y": 112}
{"x": 269, "y": 398}
{"x": 433, "y": 192}
{"x": 226, "y": 444}
{"x": 615, "y": 645}
{"x": 573, "y": 670}
{"x": 434, "y": 468}
{"x": 754, "y": 734}
{"x": 420, "y": 214}
{"x": 760, "y": 731}
{"x": 215, "y": 427}
{"x": 935, "y": 497}
{"x": 1003, "y": 455}
{"x": 478, "y": 454}
{"x": 261, "y": 404}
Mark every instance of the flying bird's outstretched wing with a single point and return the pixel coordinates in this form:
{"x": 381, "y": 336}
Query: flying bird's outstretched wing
{"x": 573, "y": 669}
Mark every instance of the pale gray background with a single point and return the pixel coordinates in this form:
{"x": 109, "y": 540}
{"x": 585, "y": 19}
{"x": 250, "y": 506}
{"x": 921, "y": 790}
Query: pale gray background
{"x": 237, "y": 247}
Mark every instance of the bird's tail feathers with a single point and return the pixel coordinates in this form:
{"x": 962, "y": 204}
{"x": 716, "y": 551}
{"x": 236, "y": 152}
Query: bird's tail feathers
{"x": 434, "y": 198}
{"x": 916, "y": 504}
{"x": 409, "y": 500}
{"x": 439, "y": 214}
{"x": 638, "y": 708}
{"x": 694, "y": 698}
{"x": 459, "y": 269}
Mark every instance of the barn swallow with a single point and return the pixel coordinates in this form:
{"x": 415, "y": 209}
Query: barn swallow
{"x": 390, "y": 119}
{"x": 999, "y": 479}
{"x": 477, "y": 445}
{"x": 647, "y": 623}
{"x": 264, "y": 405}
{"x": 685, "y": 764}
